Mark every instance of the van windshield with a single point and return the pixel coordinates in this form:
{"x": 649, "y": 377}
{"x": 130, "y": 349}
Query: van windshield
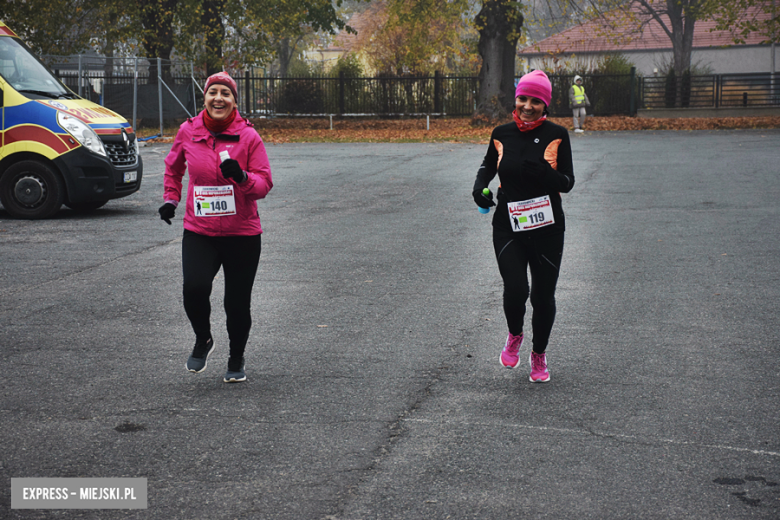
{"x": 22, "y": 70}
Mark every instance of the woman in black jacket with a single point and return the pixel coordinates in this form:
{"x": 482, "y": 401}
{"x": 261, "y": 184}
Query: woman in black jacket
{"x": 532, "y": 157}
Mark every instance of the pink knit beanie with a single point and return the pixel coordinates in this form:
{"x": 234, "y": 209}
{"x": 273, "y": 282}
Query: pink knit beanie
{"x": 222, "y": 78}
{"x": 535, "y": 84}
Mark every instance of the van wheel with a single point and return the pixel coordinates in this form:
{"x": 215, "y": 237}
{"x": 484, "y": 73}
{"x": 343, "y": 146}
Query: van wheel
{"x": 85, "y": 207}
{"x": 31, "y": 190}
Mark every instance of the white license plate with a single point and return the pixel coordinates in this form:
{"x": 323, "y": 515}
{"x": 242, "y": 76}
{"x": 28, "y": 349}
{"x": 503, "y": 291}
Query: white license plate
{"x": 131, "y": 176}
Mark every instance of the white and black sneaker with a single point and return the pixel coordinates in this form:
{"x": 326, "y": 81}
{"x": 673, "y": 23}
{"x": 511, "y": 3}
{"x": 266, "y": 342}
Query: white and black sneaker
{"x": 200, "y": 355}
{"x": 235, "y": 372}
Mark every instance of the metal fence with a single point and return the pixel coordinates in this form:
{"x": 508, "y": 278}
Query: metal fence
{"x": 148, "y": 92}
{"x": 152, "y": 91}
{"x": 382, "y": 96}
{"x": 711, "y": 91}
{"x": 609, "y": 94}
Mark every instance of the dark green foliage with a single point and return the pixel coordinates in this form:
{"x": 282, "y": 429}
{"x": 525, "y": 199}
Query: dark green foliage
{"x": 614, "y": 64}
{"x": 301, "y": 96}
{"x": 349, "y": 65}
{"x": 299, "y": 68}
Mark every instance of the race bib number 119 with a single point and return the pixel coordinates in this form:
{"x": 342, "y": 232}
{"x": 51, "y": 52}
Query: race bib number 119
{"x": 530, "y": 214}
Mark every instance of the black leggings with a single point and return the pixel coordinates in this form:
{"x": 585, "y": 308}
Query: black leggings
{"x": 202, "y": 256}
{"x": 515, "y": 254}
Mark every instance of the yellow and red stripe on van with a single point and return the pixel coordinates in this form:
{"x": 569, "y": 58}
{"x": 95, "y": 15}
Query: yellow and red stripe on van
{"x": 35, "y": 138}
{"x": 5, "y": 31}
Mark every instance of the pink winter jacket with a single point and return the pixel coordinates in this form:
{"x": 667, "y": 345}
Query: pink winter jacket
{"x": 197, "y": 150}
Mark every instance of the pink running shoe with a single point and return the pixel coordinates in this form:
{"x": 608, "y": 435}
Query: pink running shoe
{"x": 539, "y": 372}
{"x": 510, "y": 357}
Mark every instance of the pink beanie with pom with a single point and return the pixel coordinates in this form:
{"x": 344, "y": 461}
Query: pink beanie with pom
{"x": 535, "y": 84}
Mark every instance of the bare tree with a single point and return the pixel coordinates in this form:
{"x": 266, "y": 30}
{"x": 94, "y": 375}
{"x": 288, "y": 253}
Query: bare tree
{"x": 677, "y": 18}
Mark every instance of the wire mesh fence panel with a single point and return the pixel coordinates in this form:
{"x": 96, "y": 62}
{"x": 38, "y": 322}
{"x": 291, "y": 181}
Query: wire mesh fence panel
{"x": 130, "y": 87}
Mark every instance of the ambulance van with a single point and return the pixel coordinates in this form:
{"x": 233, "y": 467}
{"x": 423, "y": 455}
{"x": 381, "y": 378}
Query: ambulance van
{"x": 55, "y": 147}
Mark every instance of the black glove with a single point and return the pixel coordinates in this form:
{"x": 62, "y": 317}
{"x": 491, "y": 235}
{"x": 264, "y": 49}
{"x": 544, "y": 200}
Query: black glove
{"x": 167, "y": 212}
{"x": 482, "y": 200}
{"x": 535, "y": 169}
{"x": 542, "y": 174}
{"x": 231, "y": 170}
{"x": 539, "y": 171}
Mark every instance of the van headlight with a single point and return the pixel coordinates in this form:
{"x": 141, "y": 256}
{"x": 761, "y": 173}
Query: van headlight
{"x": 82, "y": 133}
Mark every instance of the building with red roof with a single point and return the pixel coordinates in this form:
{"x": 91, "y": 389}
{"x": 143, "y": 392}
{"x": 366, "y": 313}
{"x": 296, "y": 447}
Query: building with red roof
{"x": 650, "y": 48}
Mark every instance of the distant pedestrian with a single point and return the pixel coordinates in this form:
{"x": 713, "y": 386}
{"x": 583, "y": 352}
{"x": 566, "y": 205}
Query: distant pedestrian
{"x": 532, "y": 157}
{"x": 225, "y": 230}
{"x": 578, "y": 100}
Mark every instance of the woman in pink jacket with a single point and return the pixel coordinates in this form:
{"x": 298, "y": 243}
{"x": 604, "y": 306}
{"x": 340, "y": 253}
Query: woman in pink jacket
{"x": 228, "y": 172}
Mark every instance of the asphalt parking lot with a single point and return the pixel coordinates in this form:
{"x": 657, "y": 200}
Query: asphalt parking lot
{"x": 374, "y": 386}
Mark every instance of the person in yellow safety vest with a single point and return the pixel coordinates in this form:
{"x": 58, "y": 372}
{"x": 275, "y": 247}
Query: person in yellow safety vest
{"x": 578, "y": 100}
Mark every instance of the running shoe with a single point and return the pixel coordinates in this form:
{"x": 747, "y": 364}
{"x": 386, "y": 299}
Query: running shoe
{"x": 539, "y": 372}
{"x": 235, "y": 372}
{"x": 579, "y": 131}
{"x": 200, "y": 355}
{"x": 510, "y": 356}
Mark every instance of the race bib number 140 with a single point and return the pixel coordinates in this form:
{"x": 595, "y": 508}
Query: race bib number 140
{"x": 214, "y": 201}
{"x": 530, "y": 214}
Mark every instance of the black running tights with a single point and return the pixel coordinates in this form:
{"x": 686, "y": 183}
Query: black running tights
{"x": 202, "y": 256}
{"x": 515, "y": 255}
